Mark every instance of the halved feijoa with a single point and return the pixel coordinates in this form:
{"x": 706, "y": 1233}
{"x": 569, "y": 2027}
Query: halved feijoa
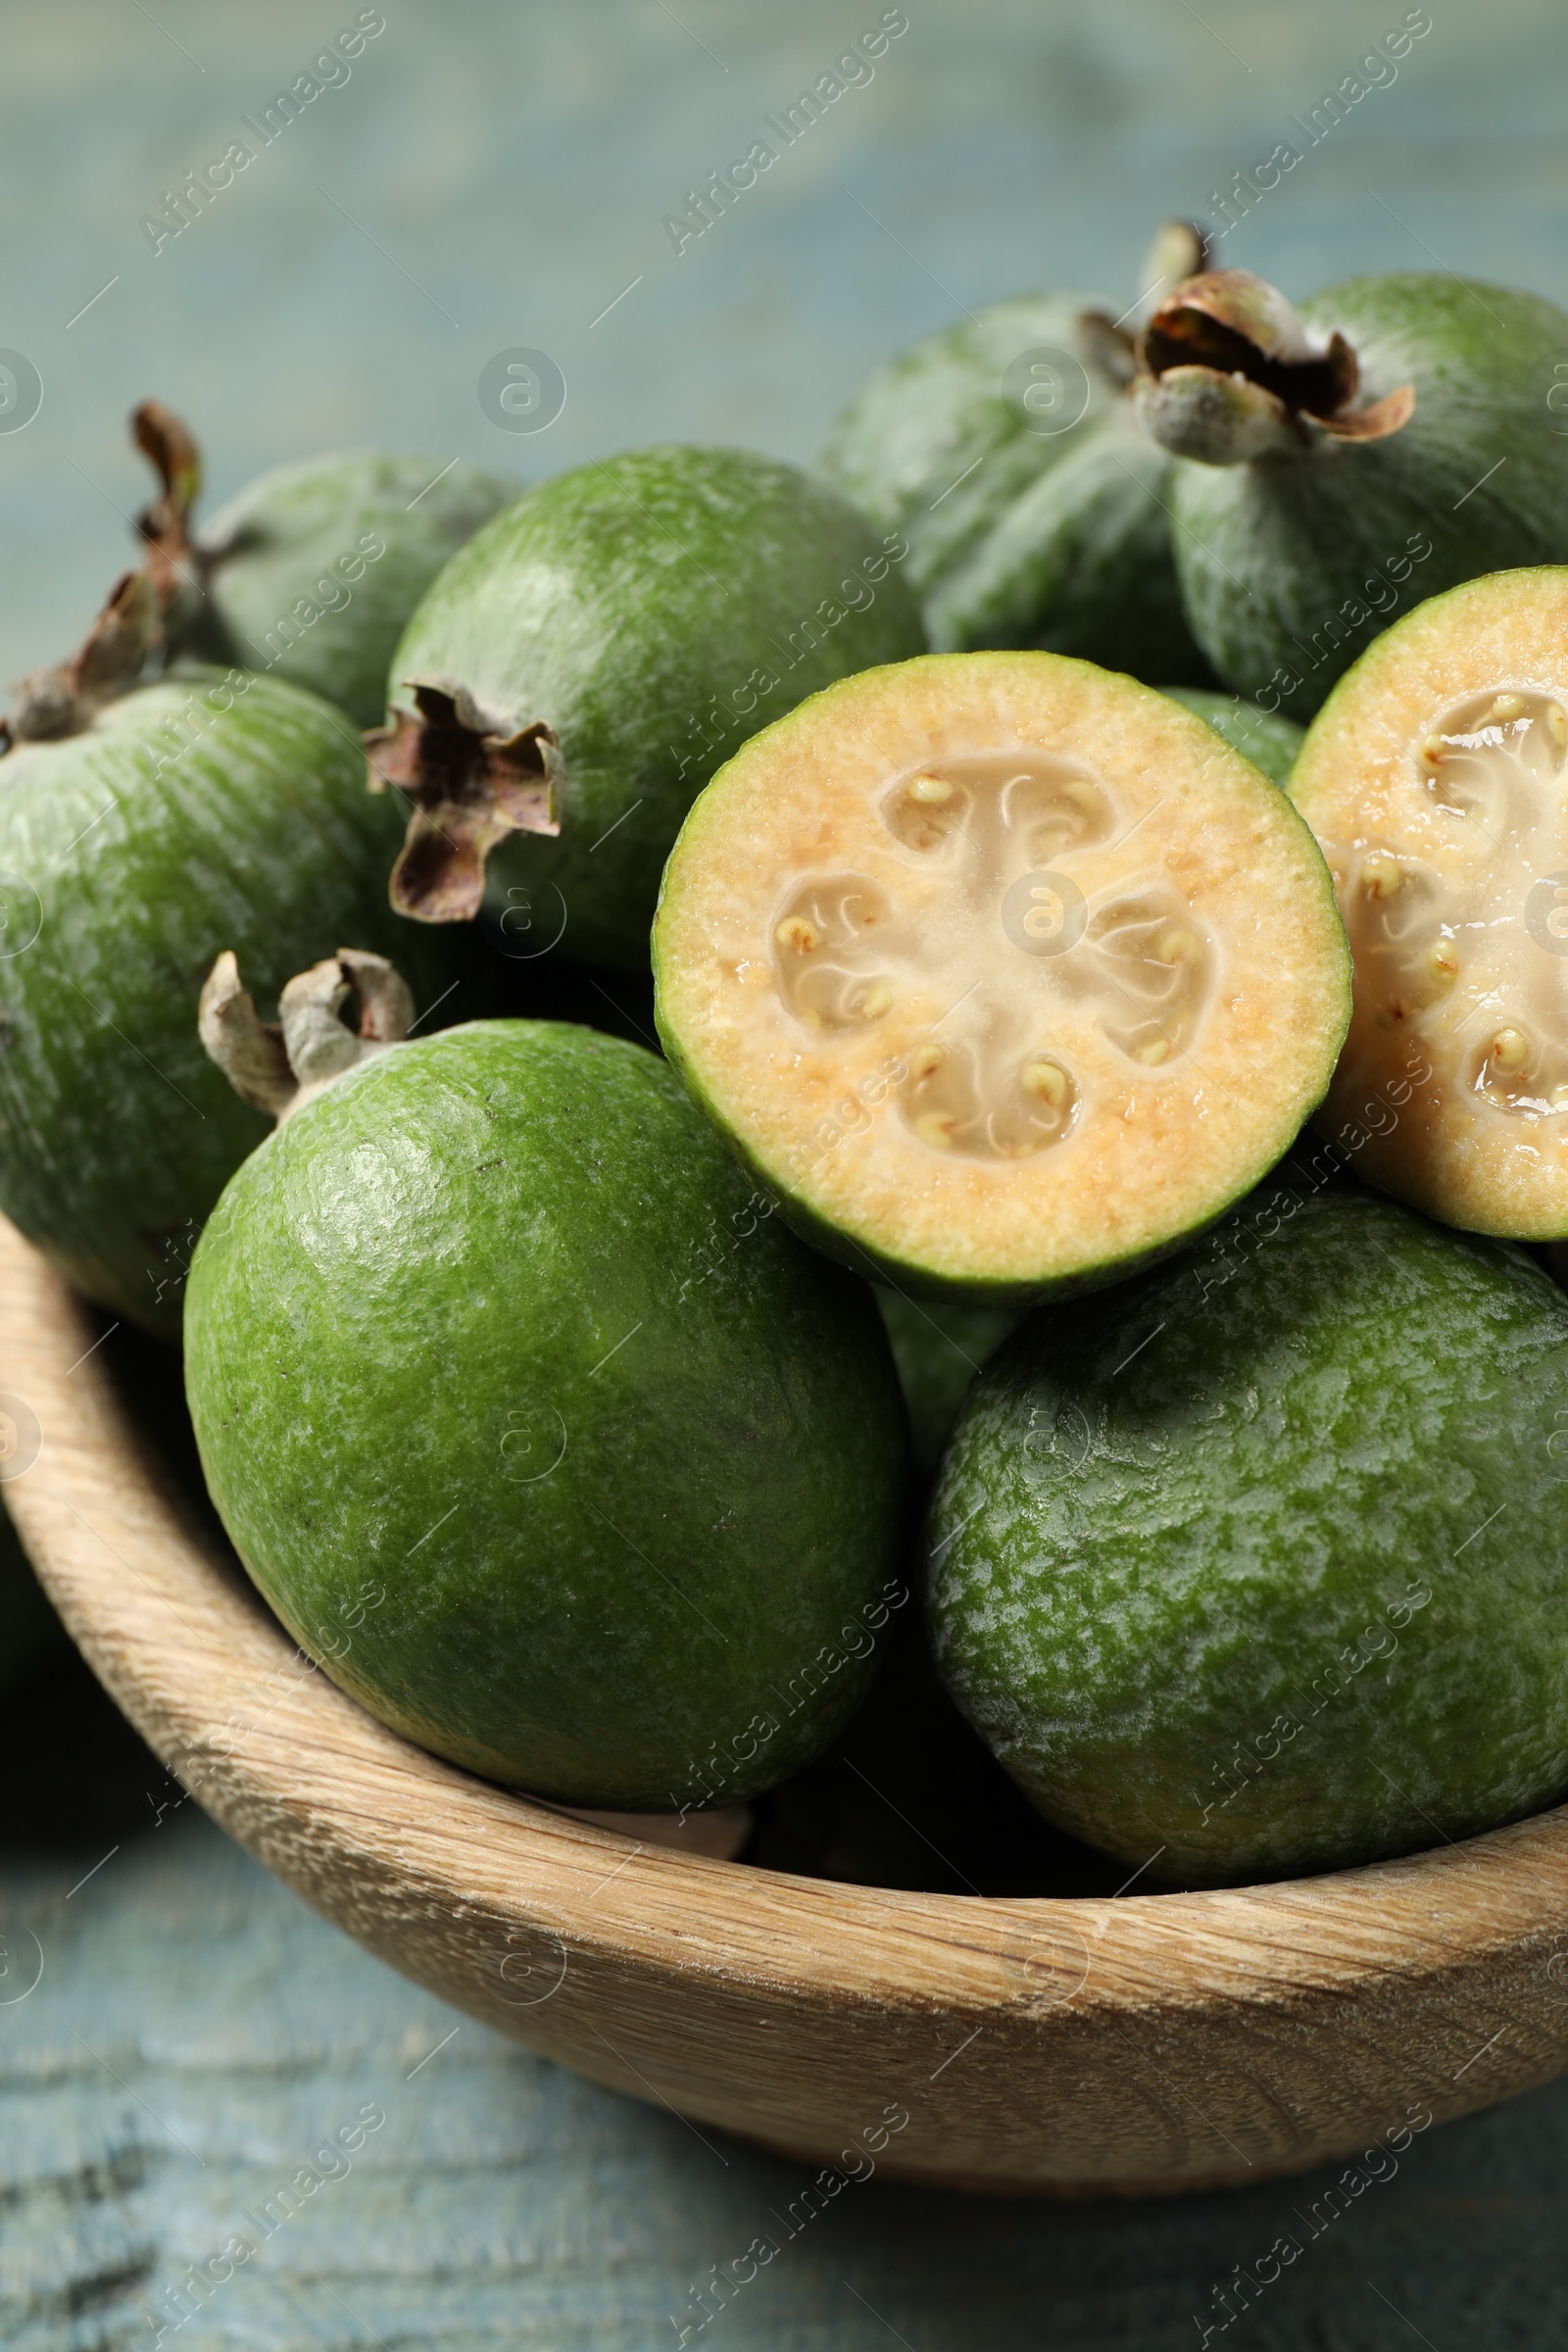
{"x": 1002, "y": 972}
{"x": 1436, "y": 777}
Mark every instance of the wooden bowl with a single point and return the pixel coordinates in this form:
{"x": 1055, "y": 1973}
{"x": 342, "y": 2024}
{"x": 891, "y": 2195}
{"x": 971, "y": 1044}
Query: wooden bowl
{"x": 1147, "y": 2043}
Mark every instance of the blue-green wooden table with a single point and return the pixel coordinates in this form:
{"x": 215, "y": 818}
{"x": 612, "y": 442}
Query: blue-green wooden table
{"x": 478, "y": 177}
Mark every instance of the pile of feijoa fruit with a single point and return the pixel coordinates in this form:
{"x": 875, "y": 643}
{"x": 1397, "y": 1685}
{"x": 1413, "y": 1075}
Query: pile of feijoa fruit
{"x": 831, "y": 1175}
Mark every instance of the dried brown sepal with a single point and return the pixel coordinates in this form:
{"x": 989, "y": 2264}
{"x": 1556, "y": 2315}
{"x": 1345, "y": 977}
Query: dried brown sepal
{"x": 1245, "y": 336}
{"x": 341, "y": 1012}
{"x": 246, "y": 1048}
{"x": 1375, "y": 423}
{"x": 64, "y": 700}
{"x": 1180, "y": 249}
{"x": 471, "y": 783}
{"x": 165, "y": 521}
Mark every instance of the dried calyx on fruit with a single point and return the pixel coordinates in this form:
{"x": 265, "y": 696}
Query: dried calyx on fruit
{"x": 582, "y": 667}
{"x": 280, "y": 1065}
{"x": 141, "y": 613}
{"x": 1335, "y": 465}
{"x": 470, "y": 780}
{"x": 1008, "y": 453}
{"x": 65, "y": 698}
{"x": 1228, "y": 371}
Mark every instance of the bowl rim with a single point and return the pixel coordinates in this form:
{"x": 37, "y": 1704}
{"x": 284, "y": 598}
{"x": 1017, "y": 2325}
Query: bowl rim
{"x": 473, "y": 1889}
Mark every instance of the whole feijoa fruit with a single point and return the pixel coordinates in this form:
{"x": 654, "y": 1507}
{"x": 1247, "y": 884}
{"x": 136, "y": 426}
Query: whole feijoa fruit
{"x": 310, "y": 571}
{"x": 143, "y": 828}
{"x": 1339, "y": 465}
{"x": 582, "y": 667}
{"x": 1003, "y": 972}
{"x": 1270, "y": 742}
{"x": 1255, "y": 1566}
{"x": 1007, "y": 453}
{"x": 494, "y": 1330}
{"x": 1436, "y": 777}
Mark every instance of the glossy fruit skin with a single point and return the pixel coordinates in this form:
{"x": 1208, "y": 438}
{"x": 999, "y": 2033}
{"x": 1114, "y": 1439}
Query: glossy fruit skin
{"x": 655, "y": 611}
{"x": 1020, "y": 537}
{"x": 494, "y": 1328}
{"x": 295, "y": 584}
{"x": 123, "y": 880}
{"x": 1270, "y": 743}
{"x": 1225, "y": 1606}
{"x": 1290, "y": 564}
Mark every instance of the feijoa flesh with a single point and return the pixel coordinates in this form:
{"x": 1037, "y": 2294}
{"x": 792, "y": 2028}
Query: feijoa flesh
{"x": 1435, "y": 778}
{"x": 1254, "y": 1566}
{"x": 1003, "y": 972}
{"x": 1339, "y": 463}
{"x": 581, "y": 667}
{"x": 493, "y": 1331}
{"x": 1008, "y": 452}
{"x": 141, "y": 836}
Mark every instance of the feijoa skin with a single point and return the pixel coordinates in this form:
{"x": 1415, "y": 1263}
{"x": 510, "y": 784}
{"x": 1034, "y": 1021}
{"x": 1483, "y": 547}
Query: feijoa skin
{"x": 1008, "y": 452}
{"x": 589, "y": 659}
{"x": 311, "y": 570}
{"x": 494, "y": 1331}
{"x": 1270, "y": 742}
{"x": 1255, "y": 1566}
{"x": 197, "y": 813}
{"x": 939, "y": 1351}
{"x": 1337, "y": 466}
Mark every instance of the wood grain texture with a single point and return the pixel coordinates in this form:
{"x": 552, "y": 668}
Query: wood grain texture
{"x": 197, "y": 2033}
{"x": 1091, "y": 2046}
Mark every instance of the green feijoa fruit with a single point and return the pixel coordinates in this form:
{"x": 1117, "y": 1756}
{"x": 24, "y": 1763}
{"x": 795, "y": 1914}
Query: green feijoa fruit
{"x": 938, "y": 1350}
{"x": 180, "y": 818}
{"x": 1338, "y": 465}
{"x": 582, "y": 667}
{"x": 1436, "y": 777}
{"x": 1003, "y": 972}
{"x": 535, "y": 1428}
{"x": 1270, "y": 742}
{"x": 1257, "y": 1566}
{"x": 1007, "y": 453}
{"x": 311, "y": 570}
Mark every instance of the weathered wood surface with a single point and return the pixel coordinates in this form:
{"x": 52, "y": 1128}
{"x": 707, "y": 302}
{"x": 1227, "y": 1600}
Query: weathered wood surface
{"x": 198, "y": 2034}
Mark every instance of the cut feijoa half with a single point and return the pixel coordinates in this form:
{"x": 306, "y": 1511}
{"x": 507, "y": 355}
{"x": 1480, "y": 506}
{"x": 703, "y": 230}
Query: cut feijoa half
{"x": 1436, "y": 777}
{"x": 1002, "y": 971}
